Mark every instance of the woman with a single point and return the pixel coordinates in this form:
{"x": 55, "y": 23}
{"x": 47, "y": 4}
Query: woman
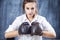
{"x": 31, "y": 15}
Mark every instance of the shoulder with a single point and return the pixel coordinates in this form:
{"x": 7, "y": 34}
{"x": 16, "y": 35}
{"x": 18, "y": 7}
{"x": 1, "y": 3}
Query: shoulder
{"x": 21, "y": 16}
{"x": 41, "y": 17}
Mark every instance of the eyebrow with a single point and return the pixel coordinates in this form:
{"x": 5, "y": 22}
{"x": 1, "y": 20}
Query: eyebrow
{"x": 29, "y": 7}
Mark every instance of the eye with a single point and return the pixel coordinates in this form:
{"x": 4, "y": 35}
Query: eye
{"x": 32, "y": 8}
{"x": 27, "y": 8}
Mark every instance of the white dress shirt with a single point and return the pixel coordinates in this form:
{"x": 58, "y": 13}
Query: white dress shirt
{"x": 44, "y": 24}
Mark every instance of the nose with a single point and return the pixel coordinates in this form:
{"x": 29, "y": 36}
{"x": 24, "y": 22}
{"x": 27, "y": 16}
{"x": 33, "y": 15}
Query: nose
{"x": 30, "y": 11}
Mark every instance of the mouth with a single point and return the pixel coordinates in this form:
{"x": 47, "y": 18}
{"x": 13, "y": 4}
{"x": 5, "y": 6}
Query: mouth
{"x": 31, "y": 14}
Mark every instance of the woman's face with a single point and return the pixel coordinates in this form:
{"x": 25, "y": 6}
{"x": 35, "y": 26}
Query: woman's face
{"x": 30, "y": 8}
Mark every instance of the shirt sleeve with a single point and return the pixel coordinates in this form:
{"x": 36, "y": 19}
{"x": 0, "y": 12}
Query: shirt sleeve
{"x": 47, "y": 26}
{"x": 14, "y": 25}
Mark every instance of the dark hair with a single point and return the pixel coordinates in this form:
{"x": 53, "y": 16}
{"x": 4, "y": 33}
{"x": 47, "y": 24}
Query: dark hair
{"x": 26, "y": 1}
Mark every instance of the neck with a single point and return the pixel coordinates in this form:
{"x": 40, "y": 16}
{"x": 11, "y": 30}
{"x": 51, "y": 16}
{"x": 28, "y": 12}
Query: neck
{"x": 30, "y": 18}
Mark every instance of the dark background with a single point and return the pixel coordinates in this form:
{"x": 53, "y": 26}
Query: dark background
{"x": 10, "y": 9}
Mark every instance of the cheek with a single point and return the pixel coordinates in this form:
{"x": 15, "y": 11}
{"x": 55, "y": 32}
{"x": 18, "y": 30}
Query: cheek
{"x": 26, "y": 11}
{"x": 34, "y": 11}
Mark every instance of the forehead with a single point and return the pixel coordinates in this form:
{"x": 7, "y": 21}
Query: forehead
{"x": 30, "y": 4}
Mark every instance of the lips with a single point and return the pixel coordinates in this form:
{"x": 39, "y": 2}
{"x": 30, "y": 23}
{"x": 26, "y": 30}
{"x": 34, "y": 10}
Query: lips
{"x": 30, "y": 13}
